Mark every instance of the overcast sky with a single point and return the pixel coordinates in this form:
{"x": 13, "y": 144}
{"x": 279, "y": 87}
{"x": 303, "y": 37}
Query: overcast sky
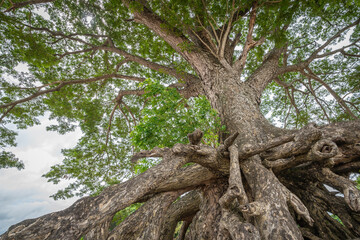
{"x": 25, "y": 194}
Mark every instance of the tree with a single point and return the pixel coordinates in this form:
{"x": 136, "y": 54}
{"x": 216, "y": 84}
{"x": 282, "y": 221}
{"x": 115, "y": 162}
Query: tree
{"x": 145, "y": 67}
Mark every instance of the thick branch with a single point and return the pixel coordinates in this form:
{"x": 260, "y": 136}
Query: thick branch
{"x": 248, "y": 150}
{"x": 154, "y": 66}
{"x": 303, "y": 141}
{"x": 173, "y": 37}
{"x": 264, "y": 74}
{"x": 88, "y": 212}
{"x": 270, "y": 202}
{"x": 230, "y": 223}
{"x": 122, "y": 93}
{"x": 109, "y": 46}
{"x": 249, "y": 43}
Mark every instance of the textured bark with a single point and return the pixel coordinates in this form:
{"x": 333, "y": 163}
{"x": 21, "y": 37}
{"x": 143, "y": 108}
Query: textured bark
{"x": 205, "y": 224}
{"x": 230, "y": 224}
{"x": 152, "y": 214}
{"x": 272, "y": 216}
{"x": 268, "y": 198}
{"x": 101, "y": 231}
{"x": 182, "y": 210}
{"x": 320, "y": 202}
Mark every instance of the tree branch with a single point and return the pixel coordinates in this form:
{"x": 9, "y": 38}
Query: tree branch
{"x": 154, "y": 66}
{"x": 312, "y": 75}
{"x": 109, "y": 46}
{"x": 147, "y": 220}
{"x": 110, "y": 120}
{"x": 61, "y": 84}
{"x": 249, "y": 43}
{"x": 147, "y": 17}
{"x": 181, "y": 210}
{"x": 303, "y": 64}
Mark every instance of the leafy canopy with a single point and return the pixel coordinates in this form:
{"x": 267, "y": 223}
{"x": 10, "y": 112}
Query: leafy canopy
{"x": 92, "y": 66}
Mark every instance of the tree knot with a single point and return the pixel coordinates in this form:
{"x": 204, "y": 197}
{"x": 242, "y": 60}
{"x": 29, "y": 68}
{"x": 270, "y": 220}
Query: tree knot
{"x": 195, "y": 137}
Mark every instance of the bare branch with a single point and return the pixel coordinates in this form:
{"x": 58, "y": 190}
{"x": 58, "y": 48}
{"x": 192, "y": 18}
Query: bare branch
{"x": 123, "y": 93}
{"x": 61, "y": 34}
{"x": 76, "y": 52}
{"x": 248, "y": 150}
{"x": 154, "y": 66}
{"x": 224, "y": 36}
{"x": 181, "y": 210}
{"x": 128, "y": 109}
{"x": 6, "y": 112}
{"x": 302, "y": 143}
{"x": 290, "y": 96}
{"x": 338, "y": 34}
{"x": 341, "y": 50}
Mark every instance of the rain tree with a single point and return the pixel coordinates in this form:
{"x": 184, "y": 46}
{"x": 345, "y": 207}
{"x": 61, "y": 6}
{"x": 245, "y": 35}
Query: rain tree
{"x": 201, "y": 119}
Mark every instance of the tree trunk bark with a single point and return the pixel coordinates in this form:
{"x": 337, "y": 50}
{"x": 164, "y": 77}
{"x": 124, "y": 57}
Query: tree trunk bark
{"x": 239, "y": 106}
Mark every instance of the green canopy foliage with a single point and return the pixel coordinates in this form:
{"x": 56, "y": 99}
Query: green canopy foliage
{"x": 123, "y": 103}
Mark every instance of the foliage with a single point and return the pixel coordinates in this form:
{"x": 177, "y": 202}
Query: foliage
{"x": 311, "y": 100}
{"x": 336, "y": 218}
{"x": 168, "y": 118}
{"x": 121, "y": 215}
{"x": 61, "y": 42}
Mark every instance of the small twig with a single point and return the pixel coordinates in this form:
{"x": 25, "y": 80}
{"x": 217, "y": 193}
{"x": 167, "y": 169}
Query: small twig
{"x": 109, "y": 128}
{"x": 128, "y": 109}
{"x": 127, "y": 120}
{"x": 317, "y": 100}
{"x": 7, "y": 111}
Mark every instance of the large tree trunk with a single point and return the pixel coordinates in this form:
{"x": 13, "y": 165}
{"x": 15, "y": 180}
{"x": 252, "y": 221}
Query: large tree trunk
{"x": 239, "y": 106}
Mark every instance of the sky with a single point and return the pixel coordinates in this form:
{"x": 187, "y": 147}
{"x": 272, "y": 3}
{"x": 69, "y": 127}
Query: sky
{"x": 25, "y": 194}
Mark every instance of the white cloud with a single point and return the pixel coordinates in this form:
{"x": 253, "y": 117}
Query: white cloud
{"x": 25, "y": 194}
